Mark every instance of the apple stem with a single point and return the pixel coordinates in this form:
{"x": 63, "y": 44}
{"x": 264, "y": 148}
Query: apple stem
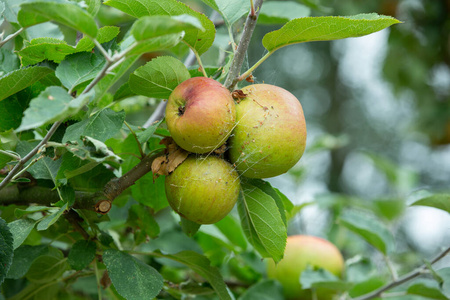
{"x": 236, "y": 65}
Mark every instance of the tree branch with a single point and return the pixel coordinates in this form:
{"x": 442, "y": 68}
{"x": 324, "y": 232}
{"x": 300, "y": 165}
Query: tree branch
{"x": 403, "y": 279}
{"x": 236, "y": 65}
{"x": 11, "y": 36}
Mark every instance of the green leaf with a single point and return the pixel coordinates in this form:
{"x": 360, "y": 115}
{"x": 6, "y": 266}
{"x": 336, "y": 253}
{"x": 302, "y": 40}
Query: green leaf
{"x": 322, "y": 279}
{"x": 366, "y": 286}
{"x": 132, "y": 278}
{"x": 280, "y": 12}
{"x": 23, "y": 258}
{"x": 231, "y": 10}
{"x": 47, "y": 267}
{"x": 8, "y": 142}
{"x": 19, "y": 213}
{"x": 53, "y": 104}
{"x": 157, "y": 26}
{"x": 145, "y": 135}
{"x": 40, "y": 49}
{"x": 18, "y": 80}
{"x": 264, "y": 290}
{"x": 261, "y": 222}
{"x": 72, "y": 166}
{"x": 93, "y": 150}
{"x": 201, "y": 265}
{"x": 45, "y": 168}
{"x": 370, "y": 229}
{"x": 105, "y": 34}
{"x": 155, "y": 44}
{"x": 66, "y": 13}
{"x": 20, "y": 230}
{"x": 101, "y": 126}
{"x": 311, "y": 29}
{"x": 426, "y": 288}
{"x": 12, "y": 7}
{"x": 143, "y": 220}
{"x": 150, "y": 192}
{"x": 79, "y": 68}
{"x": 6, "y": 249}
{"x": 390, "y": 209}
{"x": 444, "y": 273}
{"x": 49, "y": 220}
{"x": 195, "y": 38}
{"x": 189, "y": 228}
{"x": 8, "y": 61}
{"x": 81, "y": 254}
{"x": 158, "y": 77}
{"x": 93, "y": 6}
{"x": 439, "y": 201}
{"x": 231, "y": 229}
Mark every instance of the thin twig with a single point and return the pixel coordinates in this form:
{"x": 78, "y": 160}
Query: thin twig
{"x": 403, "y": 279}
{"x": 391, "y": 267}
{"x": 10, "y": 154}
{"x": 11, "y": 36}
{"x": 236, "y": 65}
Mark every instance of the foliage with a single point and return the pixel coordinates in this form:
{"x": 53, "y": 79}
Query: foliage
{"x": 82, "y": 216}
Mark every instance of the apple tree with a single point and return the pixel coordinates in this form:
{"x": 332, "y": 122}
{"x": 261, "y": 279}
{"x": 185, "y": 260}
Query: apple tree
{"x": 96, "y": 205}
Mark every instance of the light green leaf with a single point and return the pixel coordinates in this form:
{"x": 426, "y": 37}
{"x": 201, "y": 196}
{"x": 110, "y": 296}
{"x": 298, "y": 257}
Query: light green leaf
{"x": 101, "y": 126}
{"x": 23, "y": 258}
{"x": 322, "y": 279}
{"x": 40, "y": 49}
{"x": 233, "y": 231}
{"x": 49, "y": 220}
{"x": 145, "y": 135}
{"x": 53, "y": 104}
{"x": 264, "y": 290}
{"x": 439, "y": 201}
{"x": 370, "y": 229}
{"x": 17, "y": 80}
{"x": 132, "y": 278}
{"x": 8, "y": 61}
{"x": 12, "y": 7}
{"x": 426, "y": 288}
{"x": 79, "y": 68}
{"x": 8, "y": 142}
{"x": 19, "y": 213}
{"x": 150, "y": 192}
{"x": 81, "y": 254}
{"x": 6, "y": 249}
{"x": 47, "y": 267}
{"x": 105, "y": 34}
{"x": 280, "y": 12}
{"x": 158, "y": 77}
{"x": 155, "y": 44}
{"x": 231, "y": 10}
{"x": 157, "y": 26}
{"x": 93, "y": 150}
{"x": 20, "y": 230}
{"x": 92, "y": 6}
{"x": 189, "y": 228}
{"x": 261, "y": 222}
{"x": 201, "y": 265}
{"x": 311, "y": 29}
{"x": 195, "y": 38}
{"x": 67, "y": 13}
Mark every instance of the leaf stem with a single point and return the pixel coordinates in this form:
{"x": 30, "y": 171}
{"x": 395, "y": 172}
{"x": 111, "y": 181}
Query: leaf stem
{"x": 236, "y": 65}
{"x": 11, "y": 36}
{"x": 12, "y": 155}
{"x": 102, "y": 50}
{"x": 97, "y": 277}
{"x": 199, "y": 60}
{"x": 137, "y": 141}
{"x": 411, "y": 275}
{"x": 257, "y": 64}
{"x": 27, "y": 167}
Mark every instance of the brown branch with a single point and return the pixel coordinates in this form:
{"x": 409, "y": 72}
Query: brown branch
{"x": 236, "y": 65}
{"x": 403, "y": 279}
{"x": 75, "y": 220}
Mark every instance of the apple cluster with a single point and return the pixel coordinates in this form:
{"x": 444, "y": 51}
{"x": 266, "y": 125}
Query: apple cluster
{"x": 264, "y": 134}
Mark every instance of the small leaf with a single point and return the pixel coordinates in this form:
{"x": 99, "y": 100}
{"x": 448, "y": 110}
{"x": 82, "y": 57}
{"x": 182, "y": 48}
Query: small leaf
{"x": 53, "y": 104}
{"x": 19, "y": 213}
{"x": 366, "y": 286}
{"x": 201, "y": 265}
{"x": 81, "y": 254}
{"x": 264, "y": 290}
{"x": 47, "y": 267}
{"x": 280, "y": 12}
{"x": 79, "y": 68}
{"x": 101, "y": 126}
{"x": 426, "y": 288}
{"x": 20, "y": 230}
{"x": 18, "y": 80}
{"x": 325, "y": 29}
{"x": 189, "y": 228}
{"x": 23, "y": 258}
{"x": 132, "y": 278}
{"x": 93, "y": 150}
{"x": 157, "y": 26}
{"x": 66, "y": 13}
{"x": 158, "y": 77}
{"x": 40, "y": 49}
{"x": 439, "y": 201}
{"x": 322, "y": 279}
{"x": 197, "y": 39}
{"x": 6, "y": 249}
{"x": 49, "y": 220}
{"x": 105, "y": 34}
{"x": 45, "y": 168}
{"x": 231, "y": 10}
{"x": 370, "y": 229}
{"x": 143, "y": 220}
{"x": 144, "y": 136}
{"x": 261, "y": 222}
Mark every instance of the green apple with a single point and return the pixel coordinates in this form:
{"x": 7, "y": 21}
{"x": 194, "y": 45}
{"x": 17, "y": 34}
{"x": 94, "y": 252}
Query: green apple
{"x": 270, "y": 133}
{"x": 203, "y": 189}
{"x": 301, "y": 251}
{"x": 200, "y": 114}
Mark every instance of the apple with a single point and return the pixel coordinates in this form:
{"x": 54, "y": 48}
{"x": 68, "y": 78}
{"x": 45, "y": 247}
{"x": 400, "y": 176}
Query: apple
{"x": 203, "y": 189}
{"x": 270, "y": 133}
{"x": 301, "y": 251}
{"x": 200, "y": 114}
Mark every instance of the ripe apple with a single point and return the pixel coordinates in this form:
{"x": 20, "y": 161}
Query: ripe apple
{"x": 203, "y": 189}
{"x": 200, "y": 114}
{"x": 270, "y": 133}
{"x": 301, "y": 251}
